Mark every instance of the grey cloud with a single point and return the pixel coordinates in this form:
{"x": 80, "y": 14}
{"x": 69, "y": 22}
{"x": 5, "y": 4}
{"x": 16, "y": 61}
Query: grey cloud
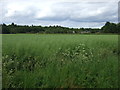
{"x": 72, "y": 14}
{"x": 66, "y": 11}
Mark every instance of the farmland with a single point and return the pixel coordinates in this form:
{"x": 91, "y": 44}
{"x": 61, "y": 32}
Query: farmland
{"x": 60, "y": 61}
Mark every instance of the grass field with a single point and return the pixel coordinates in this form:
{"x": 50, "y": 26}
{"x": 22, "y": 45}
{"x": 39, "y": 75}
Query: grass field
{"x": 60, "y": 61}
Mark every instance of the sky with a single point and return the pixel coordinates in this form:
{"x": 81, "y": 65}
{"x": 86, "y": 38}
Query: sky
{"x": 68, "y": 13}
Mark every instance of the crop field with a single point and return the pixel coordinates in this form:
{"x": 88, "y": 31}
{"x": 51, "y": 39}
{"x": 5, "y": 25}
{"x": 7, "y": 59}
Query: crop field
{"x": 59, "y": 61}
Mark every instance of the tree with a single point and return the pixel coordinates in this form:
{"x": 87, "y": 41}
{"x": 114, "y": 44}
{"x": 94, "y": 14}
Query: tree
{"x": 5, "y": 29}
{"x": 118, "y": 28}
{"x": 109, "y": 28}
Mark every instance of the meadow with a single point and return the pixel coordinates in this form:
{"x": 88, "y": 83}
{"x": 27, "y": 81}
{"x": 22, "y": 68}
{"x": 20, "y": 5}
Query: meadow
{"x": 59, "y": 61}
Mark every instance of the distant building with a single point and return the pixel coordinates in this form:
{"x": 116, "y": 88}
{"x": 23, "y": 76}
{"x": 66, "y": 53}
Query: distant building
{"x": 83, "y": 32}
{"x": 73, "y": 31}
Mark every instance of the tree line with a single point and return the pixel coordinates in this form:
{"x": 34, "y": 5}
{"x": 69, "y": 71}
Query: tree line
{"x": 14, "y": 28}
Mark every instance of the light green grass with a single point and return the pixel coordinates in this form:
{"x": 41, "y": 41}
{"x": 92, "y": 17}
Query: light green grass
{"x": 60, "y": 61}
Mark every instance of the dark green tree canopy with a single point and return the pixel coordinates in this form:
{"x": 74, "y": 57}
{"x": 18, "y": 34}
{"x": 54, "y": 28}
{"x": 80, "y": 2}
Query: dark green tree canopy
{"x": 14, "y": 28}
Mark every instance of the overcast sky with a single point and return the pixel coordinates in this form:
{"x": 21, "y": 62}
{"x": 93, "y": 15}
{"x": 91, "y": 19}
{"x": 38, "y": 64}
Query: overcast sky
{"x": 69, "y": 13}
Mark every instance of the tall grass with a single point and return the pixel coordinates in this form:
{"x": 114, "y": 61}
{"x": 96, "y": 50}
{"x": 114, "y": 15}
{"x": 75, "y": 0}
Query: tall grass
{"x": 60, "y": 61}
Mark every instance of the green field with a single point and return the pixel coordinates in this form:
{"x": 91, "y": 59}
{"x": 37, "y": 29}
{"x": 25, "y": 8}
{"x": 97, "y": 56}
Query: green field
{"x": 60, "y": 61}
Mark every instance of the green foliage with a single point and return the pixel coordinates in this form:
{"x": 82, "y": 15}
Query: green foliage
{"x": 60, "y": 61}
{"x": 13, "y": 29}
{"x": 110, "y": 28}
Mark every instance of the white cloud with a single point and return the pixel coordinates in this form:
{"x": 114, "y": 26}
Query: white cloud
{"x": 75, "y": 13}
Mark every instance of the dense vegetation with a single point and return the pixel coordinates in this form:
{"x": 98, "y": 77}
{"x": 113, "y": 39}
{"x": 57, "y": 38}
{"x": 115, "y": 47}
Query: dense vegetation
{"x": 14, "y": 28}
{"x": 60, "y": 61}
